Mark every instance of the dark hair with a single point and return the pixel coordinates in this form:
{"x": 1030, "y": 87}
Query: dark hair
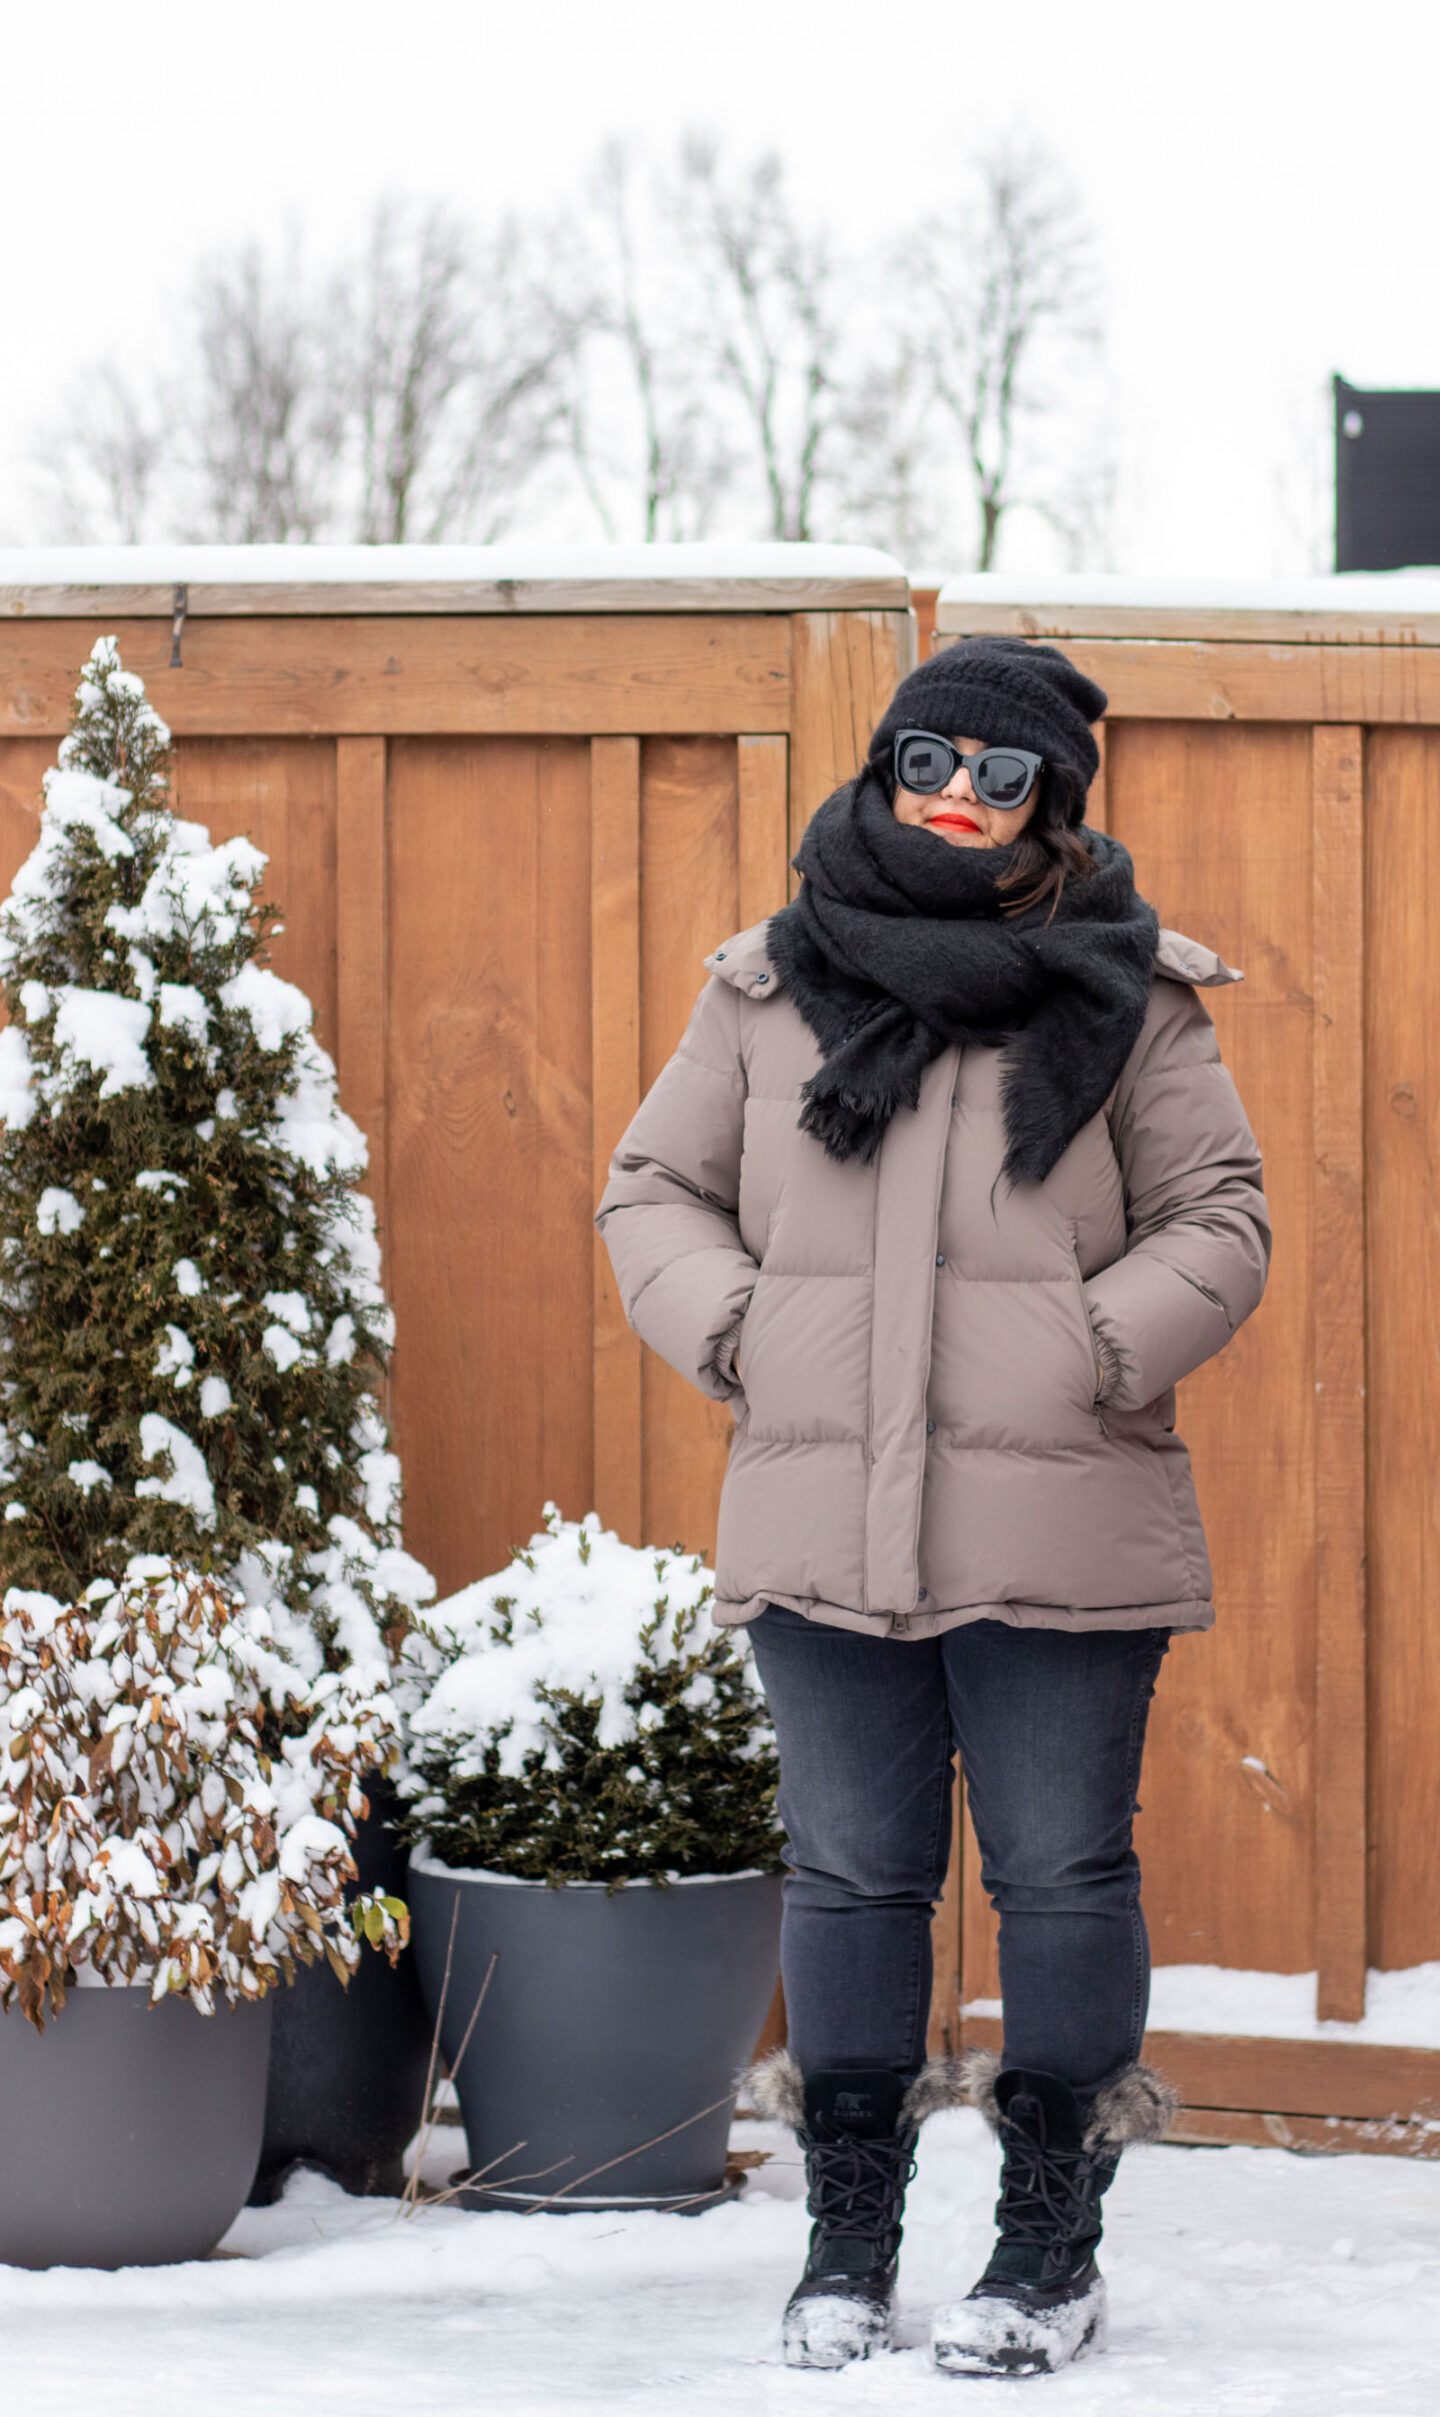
{"x": 1049, "y": 851}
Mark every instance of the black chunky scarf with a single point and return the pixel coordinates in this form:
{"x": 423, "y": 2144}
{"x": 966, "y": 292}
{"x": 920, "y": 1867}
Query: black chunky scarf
{"x": 898, "y": 944}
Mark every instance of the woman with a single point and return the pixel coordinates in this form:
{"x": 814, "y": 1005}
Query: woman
{"x": 944, "y": 1190}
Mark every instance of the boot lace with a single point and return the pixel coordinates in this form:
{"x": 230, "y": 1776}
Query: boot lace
{"x": 1045, "y": 2198}
{"x": 856, "y": 2187}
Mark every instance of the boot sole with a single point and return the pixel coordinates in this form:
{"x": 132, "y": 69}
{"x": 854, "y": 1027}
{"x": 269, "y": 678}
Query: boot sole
{"x": 852, "y": 2337}
{"x": 1047, "y": 2352}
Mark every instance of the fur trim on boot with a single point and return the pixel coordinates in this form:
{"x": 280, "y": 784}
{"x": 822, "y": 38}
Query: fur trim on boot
{"x": 777, "y": 2088}
{"x": 979, "y": 2070}
{"x": 1138, "y": 2105}
{"x": 943, "y": 2082}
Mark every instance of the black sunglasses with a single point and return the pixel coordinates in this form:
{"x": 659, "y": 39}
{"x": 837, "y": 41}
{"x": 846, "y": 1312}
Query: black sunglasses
{"x": 999, "y": 776}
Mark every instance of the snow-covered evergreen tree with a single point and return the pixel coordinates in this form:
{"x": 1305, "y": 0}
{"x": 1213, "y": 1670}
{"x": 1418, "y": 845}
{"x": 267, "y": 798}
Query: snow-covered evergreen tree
{"x": 191, "y": 1319}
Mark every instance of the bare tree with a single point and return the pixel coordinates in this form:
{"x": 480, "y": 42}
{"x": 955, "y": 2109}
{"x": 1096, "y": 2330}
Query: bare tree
{"x": 886, "y": 489}
{"x": 407, "y": 394}
{"x": 102, "y": 460}
{"x": 770, "y": 287}
{"x": 451, "y": 380}
{"x": 1081, "y": 509}
{"x": 237, "y": 439}
{"x": 265, "y": 401}
{"x": 1006, "y": 294}
{"x": 640, "y": 413}
{"x": 685, "y": 351}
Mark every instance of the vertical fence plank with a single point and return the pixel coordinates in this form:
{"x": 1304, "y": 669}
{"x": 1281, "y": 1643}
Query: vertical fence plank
{"x": 764, "y": 830}
{"x": 1340, "y": 1492}
{"x": 1402, "y": 1317}
{"x": 615, "y": 1095}
{"x": 943, "y": 2033}
{"x": 979, "y": 1922}
{"x": 843, "y": 672}
{"x": 1218, "y": 818}
{"x": 822, "y": 739}
{"x": 491, "y": 1164}
{"x": 361, "y": 948}
{"x": 1097, "y": 804}
{"x": 923, "y": 601}
{"x": 23, "y": 765}
{"x": 281, "y": 794}
{"x": 689, "y": 904}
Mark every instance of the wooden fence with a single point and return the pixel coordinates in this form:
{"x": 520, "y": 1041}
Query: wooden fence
{"x": 507, "y": 815}
{"x": 508, "y": 809}
{"x": 1276, "y": 776}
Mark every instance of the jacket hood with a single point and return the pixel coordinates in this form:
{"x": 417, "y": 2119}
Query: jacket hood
{"x": 744, "y": 962}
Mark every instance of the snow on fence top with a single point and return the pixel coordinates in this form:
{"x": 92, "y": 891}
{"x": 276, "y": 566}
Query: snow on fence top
{"x": 83, "y": 581}
{"x": 1376, "y": 608}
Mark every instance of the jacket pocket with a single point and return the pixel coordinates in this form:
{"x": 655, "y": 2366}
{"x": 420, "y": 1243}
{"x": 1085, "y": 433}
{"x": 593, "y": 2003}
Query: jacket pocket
{"x": 748, "y": 1335}
{"x": 804, "y": 1352}
{"x": 728, "y": 1356}
{"x": 1097, "y": 1362}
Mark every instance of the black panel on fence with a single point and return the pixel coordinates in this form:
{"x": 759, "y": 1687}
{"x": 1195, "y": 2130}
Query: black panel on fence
{"x": 1387, "y": 479}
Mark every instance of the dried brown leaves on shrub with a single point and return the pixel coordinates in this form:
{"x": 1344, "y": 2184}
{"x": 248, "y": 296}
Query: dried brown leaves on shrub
{"x": 176, "y": 1796}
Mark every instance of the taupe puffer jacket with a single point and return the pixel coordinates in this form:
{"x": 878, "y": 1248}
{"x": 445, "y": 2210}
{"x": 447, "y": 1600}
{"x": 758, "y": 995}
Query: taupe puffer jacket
{"x": 955, "y": 1400}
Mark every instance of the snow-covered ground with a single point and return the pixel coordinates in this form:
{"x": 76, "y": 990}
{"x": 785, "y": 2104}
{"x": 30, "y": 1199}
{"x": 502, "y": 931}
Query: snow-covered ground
{"x": 1244, "y": 2283}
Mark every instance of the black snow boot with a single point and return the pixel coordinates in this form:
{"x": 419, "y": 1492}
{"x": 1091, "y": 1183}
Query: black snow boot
{"x": 859, "y": 2144}
{"x": 1041, "y": 2300}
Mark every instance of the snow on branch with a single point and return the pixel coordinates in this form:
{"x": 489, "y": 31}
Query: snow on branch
{"x": 149, "y": 1830}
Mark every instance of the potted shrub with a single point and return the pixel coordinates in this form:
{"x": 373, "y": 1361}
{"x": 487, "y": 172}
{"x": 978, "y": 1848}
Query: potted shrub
{"x": 175, "y": 1834}
{"x": 591, "y": 1775}
{"x": 192, "y": 1328}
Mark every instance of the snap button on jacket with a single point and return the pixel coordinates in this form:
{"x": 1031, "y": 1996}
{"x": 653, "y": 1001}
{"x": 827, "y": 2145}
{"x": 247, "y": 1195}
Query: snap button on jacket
{"x": 955, "y": 1399}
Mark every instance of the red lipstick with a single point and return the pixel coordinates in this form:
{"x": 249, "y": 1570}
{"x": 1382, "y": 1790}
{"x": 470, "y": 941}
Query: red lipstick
{"x": 958, "y": 822}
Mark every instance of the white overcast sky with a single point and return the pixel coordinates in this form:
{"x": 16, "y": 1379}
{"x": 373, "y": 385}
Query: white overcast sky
{"x": 1262, "y": 177}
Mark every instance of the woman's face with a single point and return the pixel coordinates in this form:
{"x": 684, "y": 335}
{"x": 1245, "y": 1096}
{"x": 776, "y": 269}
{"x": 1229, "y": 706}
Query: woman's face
{"x": 956, "y": 814}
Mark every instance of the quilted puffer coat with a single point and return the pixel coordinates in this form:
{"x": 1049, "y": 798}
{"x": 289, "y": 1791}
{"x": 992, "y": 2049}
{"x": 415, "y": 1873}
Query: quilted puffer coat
{"x": 953, "y": 1400}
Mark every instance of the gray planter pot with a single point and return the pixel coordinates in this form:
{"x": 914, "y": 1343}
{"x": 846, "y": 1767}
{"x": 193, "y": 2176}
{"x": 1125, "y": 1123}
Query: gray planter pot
{"x": 610, "y": 2021}
{"x": 129, "y": 2133}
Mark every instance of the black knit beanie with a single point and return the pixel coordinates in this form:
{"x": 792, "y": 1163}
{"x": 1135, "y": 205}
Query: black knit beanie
{"x": 1006, "y": 692}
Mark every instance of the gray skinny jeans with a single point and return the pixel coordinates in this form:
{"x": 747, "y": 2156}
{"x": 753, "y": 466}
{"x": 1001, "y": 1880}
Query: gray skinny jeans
{"x": 1050, "y": 1728}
